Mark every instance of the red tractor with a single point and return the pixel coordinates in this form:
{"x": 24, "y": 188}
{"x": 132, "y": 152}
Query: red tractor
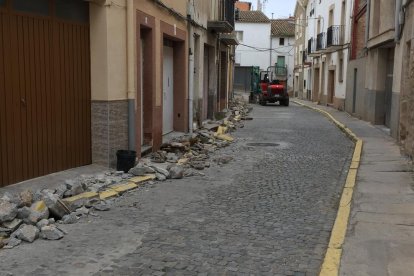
{"x": 273, "y": 84}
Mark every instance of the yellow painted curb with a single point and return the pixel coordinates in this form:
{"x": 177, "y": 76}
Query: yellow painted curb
{"x": 224, "y": 137}
{"x": 107, "y": 194}
{"x": 354, "y": 165}
{"x": 332, "y": 261}
{"x": 139, "y": 179}
{"x": 351, "y": 178}
{"x": 120, "y": 188}
{"x": 86, "y": 195}
{"x": 221, "y": 130}
{"x": 357, "y": 151}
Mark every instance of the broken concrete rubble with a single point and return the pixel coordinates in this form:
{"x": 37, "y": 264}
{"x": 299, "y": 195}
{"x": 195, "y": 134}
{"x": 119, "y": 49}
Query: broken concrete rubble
{"x": 56, "y": 206}
{"x": 43, "y": 222}
{"x": 26, "y": 198}
{"x": 12, "y": 225}
{"x": 176, "y": 172}
{"x": 26, "y": 233}
{"x": 27, "y": 215}
{"x": 8, "y": 210}
{"x": 11, "y": 243}
{"x": 69, "y": 219}
{"x": 51, "y": 232}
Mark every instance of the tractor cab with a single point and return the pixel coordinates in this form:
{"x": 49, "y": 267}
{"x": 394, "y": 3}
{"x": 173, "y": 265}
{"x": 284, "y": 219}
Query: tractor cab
{"x": 273, "y": 84}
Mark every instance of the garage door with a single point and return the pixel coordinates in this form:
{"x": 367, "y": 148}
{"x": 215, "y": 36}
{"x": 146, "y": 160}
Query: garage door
{"x": 45, "y": 123}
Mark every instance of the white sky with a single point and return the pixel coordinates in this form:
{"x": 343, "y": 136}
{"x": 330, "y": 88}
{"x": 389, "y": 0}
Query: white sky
{"x": 279, "y": 8}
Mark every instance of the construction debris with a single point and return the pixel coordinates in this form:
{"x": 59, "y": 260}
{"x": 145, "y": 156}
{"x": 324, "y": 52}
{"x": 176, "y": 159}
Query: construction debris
{"x": 29, "y": 215}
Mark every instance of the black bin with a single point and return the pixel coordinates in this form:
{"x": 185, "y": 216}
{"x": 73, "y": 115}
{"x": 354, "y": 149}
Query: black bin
{"x": 125, "y": 160}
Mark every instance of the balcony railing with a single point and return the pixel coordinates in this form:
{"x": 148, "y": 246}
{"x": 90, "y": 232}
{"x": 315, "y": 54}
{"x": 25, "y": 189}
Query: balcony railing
{"x": 311, "y": 45}
{"x": 229, "y": 11}
{"x": 225, "y": 22}
{"x": 335, "y": 35}
{"x": 321, "y": 41}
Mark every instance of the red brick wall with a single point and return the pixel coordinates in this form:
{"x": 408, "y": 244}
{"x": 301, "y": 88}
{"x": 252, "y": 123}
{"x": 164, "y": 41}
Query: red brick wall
{"x": 243, "y": 6}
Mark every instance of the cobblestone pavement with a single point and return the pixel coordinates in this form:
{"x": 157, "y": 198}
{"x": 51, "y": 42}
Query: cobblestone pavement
{"x": 267, "y": 212}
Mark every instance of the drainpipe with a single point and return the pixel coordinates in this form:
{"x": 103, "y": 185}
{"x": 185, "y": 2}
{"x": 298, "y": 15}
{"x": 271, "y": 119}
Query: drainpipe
{"x": 271, "y": 46}
{"x": 398, "y": 5}
{"x": 190, "y": 70}
{"x": 368, "y": 22}
{"x": 130, "y": 75}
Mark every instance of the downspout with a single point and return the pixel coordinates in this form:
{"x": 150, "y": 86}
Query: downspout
{"x": 271, "y": 45}
{"x": 398, "y": 5}
{"x": 368, "y": 22}
{"x": 130, "y": 75}
{"x": 190, "y": 70}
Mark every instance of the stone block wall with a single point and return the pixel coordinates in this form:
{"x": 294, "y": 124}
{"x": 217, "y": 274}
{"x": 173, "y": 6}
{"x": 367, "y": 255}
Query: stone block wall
{"x": 109, "y": 131}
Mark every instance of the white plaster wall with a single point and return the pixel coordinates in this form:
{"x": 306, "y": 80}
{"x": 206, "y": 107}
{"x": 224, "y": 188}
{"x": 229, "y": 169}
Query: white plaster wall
{"x": 321, "y": 10}
{"x": 286, "y": 50}
{"x": 255, "y": 35}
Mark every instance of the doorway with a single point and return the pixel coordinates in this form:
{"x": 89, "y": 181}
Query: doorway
{"x": 354, "y": 90}
{"x": 388, "y": 86}
{"x": 315, "y": 95}
{"x": 168, "y": 90}
{"x": 331, "y": 86}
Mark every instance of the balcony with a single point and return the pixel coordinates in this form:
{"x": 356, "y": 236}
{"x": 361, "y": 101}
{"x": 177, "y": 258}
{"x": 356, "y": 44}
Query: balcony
{"x": 229, "y": 38}
{"x": 321, "y": 42}
{"x": 335, "y": 35}
{"x": 225, "y": 22}
{"x": 311, "y": 46}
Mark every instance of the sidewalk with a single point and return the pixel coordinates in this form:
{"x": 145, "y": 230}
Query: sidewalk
{"x": 51, "y": 181}
{"x": 380, "y": 235}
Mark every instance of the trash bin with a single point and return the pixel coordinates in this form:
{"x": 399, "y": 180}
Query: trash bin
{"x": 125, "y": 160}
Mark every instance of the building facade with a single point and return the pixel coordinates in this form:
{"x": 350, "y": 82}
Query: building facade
{"x": 328, "y": 42}
{"x": 282, "y": 45}
{"x": 299, "y": 85}
{"x": 382, "y": 38}
{"x": 82, "y": 80}
{"x": 253, "y": 31}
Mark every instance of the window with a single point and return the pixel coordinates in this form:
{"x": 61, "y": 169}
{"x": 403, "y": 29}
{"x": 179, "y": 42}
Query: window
{"x": 281, "y": 61}
{"x": 282, "y": 41}
{"x": 40, "y": 7}
{"x": 75, "y": 10}
{"x": 239, "y": 36}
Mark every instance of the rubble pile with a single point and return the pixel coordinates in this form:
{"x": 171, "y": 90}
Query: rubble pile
{"x": 31, "y": 215}
{"x": 188, "y": 155}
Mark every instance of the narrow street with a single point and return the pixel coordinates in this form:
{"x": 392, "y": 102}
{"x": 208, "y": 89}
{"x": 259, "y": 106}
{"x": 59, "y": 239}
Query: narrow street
{"x": 267, "y": 212}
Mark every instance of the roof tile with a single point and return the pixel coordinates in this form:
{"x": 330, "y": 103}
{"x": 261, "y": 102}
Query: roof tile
{"x": 253, "y": 17}
{"x": 283, "y": 27}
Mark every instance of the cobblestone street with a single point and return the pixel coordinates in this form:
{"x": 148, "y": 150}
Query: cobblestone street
{"x": 268, "y": 212}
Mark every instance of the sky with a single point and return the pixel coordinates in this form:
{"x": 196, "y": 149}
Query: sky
{"x": 279, "y": 8}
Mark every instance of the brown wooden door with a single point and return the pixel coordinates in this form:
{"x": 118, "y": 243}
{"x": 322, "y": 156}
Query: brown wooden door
{"x": 45, "y": 94}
